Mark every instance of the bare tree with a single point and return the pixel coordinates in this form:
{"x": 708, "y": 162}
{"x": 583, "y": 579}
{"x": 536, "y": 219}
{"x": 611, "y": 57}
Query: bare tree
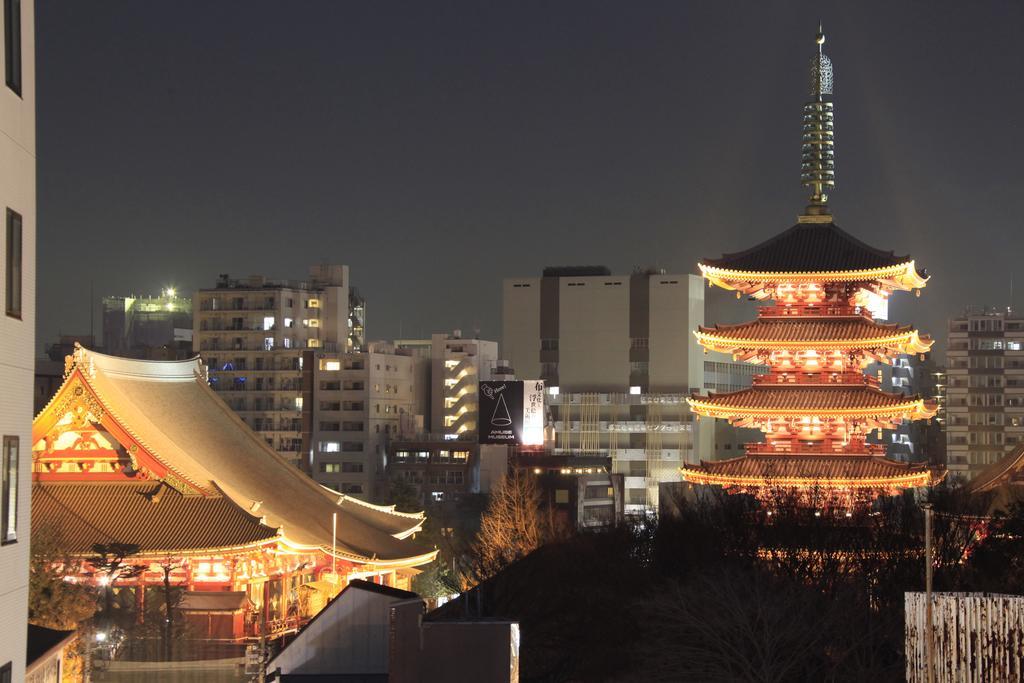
{"x": 512, "y": 526}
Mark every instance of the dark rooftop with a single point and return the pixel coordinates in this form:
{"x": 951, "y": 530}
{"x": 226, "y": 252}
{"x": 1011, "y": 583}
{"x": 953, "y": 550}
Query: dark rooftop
{"x": 576, "y": 271}
{"x": 808, "y": 248}
{"x": 147, "y": 514}
{"x": 42, "y": 641}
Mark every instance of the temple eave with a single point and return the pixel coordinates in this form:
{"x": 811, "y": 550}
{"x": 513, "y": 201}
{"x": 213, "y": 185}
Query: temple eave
{"x": 902, "y": 276}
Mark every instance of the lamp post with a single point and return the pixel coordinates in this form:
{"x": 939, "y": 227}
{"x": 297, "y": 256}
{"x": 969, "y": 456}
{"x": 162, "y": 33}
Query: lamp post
{"x": 929, "y": 642}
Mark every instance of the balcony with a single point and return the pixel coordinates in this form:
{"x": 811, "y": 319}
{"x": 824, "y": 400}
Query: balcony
{"x": 805, "y": 449}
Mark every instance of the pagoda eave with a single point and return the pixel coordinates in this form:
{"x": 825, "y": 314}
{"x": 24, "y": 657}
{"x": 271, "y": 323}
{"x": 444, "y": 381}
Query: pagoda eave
{"x": 909, "y": 343}
{"x": 911, "y": 410}
{"x": 902, "y": 276}
{"x": 825, "y": 472}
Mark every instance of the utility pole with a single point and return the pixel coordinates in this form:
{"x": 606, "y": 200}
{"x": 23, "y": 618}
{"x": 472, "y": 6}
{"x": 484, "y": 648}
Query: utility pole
{"x": 929, "y": 643}
{"x": 262, "y": 677}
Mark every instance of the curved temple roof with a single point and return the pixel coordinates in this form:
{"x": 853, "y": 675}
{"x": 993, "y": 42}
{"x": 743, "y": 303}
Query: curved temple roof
{"x": 808, "y": 248}
{"x": 800, "y": 400}
{"x": 823, "y": 332}
{"x": 832, "y": 471}
{"x": 813, "y": 252}
{"x": 173, "y": 414}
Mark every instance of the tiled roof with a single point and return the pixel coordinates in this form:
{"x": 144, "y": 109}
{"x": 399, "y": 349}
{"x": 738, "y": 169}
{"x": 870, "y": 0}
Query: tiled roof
{"x": 1008, "y": 470}
{"x": 808, "y": 467}
{"x": 796, "y": 329}
{"x": 808, "y": 247}
{"x": 150, "y": 515}
{"x": 170, "y": 411}
{"x": 809, "y": 399}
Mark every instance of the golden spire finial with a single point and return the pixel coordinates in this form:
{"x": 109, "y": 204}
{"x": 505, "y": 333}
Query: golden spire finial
{"x": 818, "y": 167}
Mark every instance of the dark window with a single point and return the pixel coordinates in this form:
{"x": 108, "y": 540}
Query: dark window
{"x": 5, "y": 673}
{"x": 13, "y": 264}
{"x": 9, "y": 528}
{"x": 12, "y": 43}
{"x": 351, "y": 467}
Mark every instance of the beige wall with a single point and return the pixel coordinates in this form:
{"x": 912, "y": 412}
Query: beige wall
{"x": 676, "y": 309}
{"x": 520, "y": 315}
{"x": 593, "y": 333}
{"x": 17, "y": 337}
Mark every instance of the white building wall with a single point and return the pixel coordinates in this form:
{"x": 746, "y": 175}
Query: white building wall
{"x": 17, "y": 336}
{"x": 349, "y": 637}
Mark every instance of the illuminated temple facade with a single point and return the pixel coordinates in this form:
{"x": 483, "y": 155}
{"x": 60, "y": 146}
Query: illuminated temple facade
{"x": 816, "y": 334}
{"x": 145, "y": 453}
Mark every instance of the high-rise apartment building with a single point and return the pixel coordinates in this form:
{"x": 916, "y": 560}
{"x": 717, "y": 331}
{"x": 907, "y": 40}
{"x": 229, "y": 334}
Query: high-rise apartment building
{"x": 619, "y": 358}
{"x": 251, "y": 334}
{"x": 984, "y": 388}
{"x": 142, "y": 326}
{"x": 17, "y": 325}
{"x": 457, "y": 365}
{"x": 354, "y": 405}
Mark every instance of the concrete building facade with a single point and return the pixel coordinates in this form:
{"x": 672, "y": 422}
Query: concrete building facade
{"x": 984, "y": 388}
{"x": 353, "y": 406}
{"x": 252, "y": 333}
{"x": 137, "y": 326}
{"x": 456, "y": 366}
{"x": 17, "y": 326}
{"x": 618, "y": 357}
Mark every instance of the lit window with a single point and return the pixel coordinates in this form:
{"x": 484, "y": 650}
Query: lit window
{"x": 268, "y": 322}
{"x": 288, "y": 322}
{"x": 313, "y": 343}
{"x": 634, "y": 391}
{"x": 298, "y": 403}
{"x": 268, "y": 343}
{"x": 313, "y": 303}
{"x": 313, "y": 322}
{"x": 330, "y": 447}
{"x": 330, "y": 365}
{"x": 9, "y": 522}
{"x": 330, "y": 467}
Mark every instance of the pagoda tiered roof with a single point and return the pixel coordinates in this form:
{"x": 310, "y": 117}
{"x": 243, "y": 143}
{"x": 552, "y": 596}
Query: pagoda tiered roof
{"x": 812, "y": 252}
{"x": 172, "y": 431}
{"x": 802, "y": 400}
{"x": 812, "y": 332}
{"x": 834, "y": 471}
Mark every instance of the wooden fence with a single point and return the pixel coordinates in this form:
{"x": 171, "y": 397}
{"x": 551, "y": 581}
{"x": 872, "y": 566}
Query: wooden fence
{"x": 977, "y": 637}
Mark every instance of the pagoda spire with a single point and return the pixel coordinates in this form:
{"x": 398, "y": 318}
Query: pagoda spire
{"x": 818, "y": 158}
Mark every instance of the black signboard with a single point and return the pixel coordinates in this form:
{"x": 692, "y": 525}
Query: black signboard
{"x": 501, "y": 412}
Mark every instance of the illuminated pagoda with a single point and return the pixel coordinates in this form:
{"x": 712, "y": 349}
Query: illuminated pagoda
{"x": 144, "y": 453}
{"x": 815, "y": 405}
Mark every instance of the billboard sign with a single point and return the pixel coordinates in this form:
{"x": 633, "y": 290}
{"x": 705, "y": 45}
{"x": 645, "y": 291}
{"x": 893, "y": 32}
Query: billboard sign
{"x": 512, "y": 412}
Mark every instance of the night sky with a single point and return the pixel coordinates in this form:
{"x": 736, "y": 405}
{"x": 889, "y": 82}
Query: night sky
{"x": 437, "y": 148}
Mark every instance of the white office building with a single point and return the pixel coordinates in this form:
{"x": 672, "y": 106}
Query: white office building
{"x": 17, "y": 326}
